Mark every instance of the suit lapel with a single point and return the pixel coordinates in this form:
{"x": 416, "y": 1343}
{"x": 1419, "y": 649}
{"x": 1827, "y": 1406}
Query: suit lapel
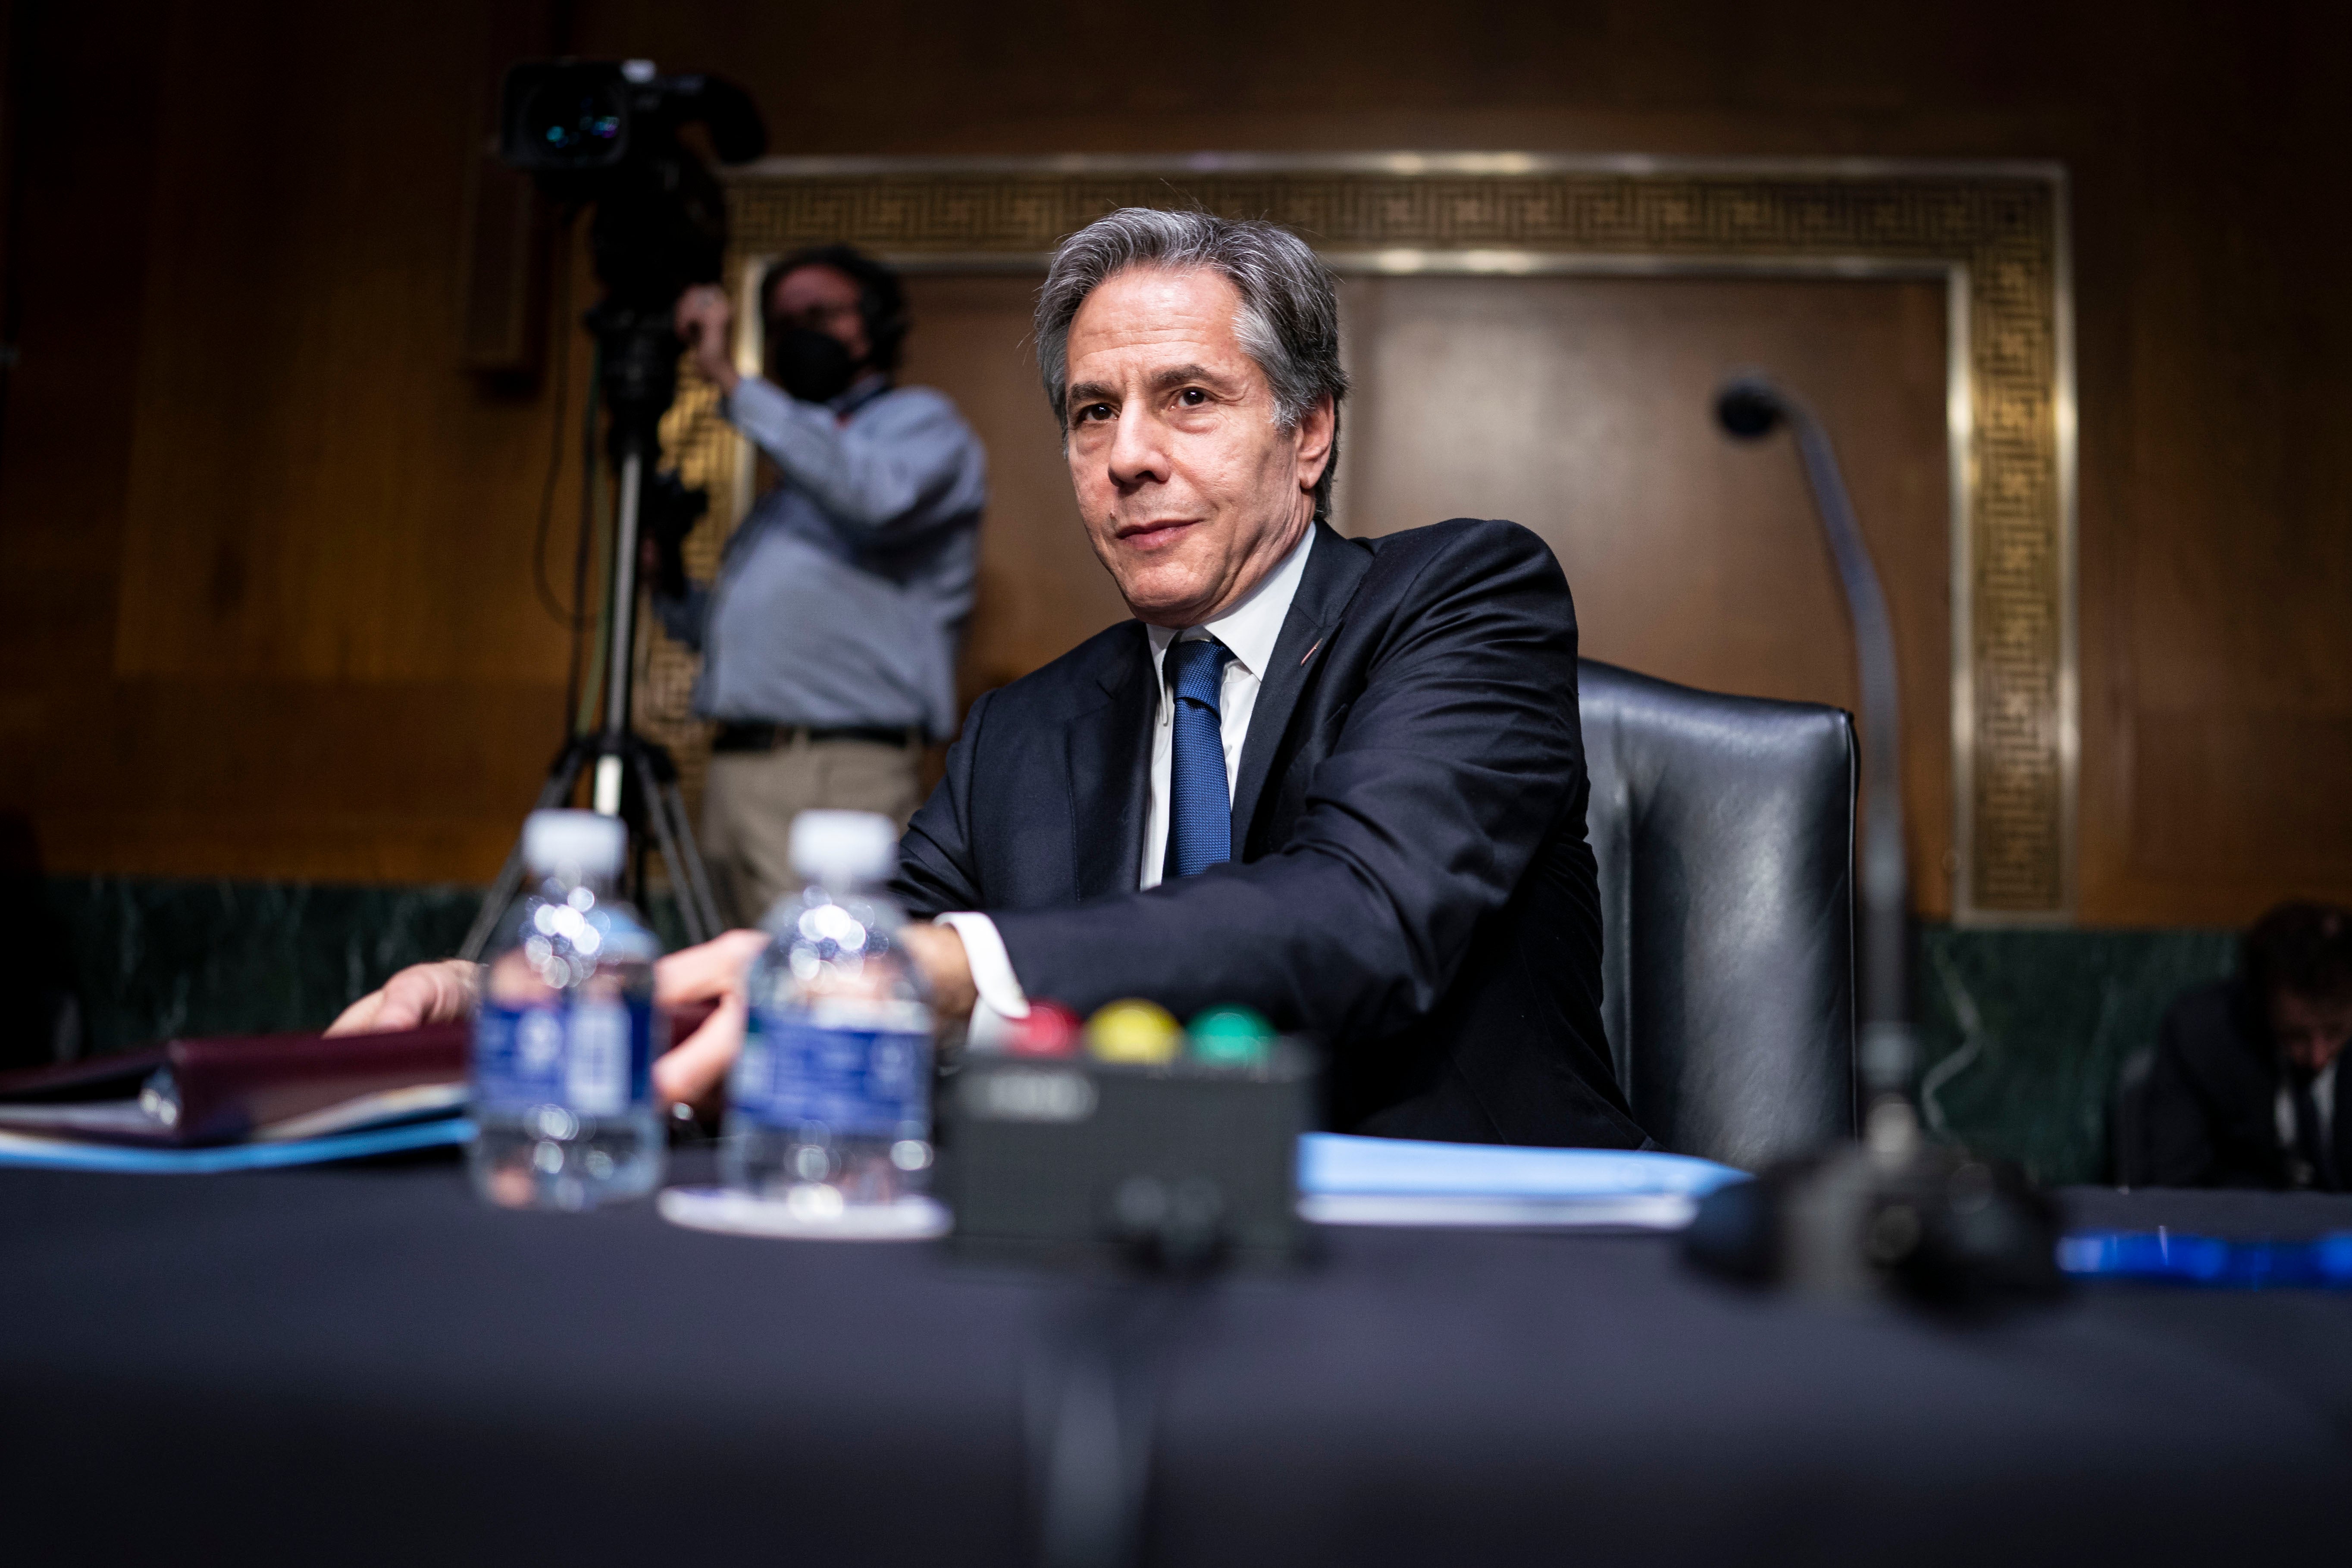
{"x": 1333, "y": 566}
{"x": 1111, "y": 768}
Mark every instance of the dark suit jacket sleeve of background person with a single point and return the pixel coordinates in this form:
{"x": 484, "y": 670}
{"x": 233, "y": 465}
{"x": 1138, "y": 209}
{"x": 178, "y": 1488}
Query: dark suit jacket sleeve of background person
{"x": 1413, "y": 882}
{"x": 2212, "y": 1096}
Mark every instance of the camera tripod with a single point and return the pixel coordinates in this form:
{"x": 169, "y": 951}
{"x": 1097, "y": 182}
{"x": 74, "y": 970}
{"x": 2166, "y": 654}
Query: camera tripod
{"x": 630, "y": 778}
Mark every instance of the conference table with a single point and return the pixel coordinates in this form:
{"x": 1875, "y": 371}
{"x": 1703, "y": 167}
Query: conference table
{"x": 362, "y": 1365}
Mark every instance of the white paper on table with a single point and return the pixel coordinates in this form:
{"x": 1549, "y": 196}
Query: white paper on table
{"x": 1345, "y": 1180}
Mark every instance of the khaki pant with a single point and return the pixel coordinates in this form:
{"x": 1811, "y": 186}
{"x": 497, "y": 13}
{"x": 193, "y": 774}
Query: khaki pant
{"x": 750, "y": 798}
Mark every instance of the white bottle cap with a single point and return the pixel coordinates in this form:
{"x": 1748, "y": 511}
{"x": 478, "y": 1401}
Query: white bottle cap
{"x": 573, "y": 844}
{"x": 840, "y": 848}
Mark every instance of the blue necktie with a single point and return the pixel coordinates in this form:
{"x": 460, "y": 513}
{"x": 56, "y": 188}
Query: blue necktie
{"x": 1200, "y": 812}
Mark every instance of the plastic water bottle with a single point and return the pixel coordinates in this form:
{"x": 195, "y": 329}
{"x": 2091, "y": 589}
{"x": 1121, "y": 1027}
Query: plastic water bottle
{"x": 564, "y": 1041}
{"x": 829, "y": 1109}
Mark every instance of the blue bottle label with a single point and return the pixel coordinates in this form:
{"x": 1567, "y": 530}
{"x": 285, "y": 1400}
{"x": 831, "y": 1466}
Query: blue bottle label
{"x": 870, "y": 1079}
{"x": 594, "y": 1059}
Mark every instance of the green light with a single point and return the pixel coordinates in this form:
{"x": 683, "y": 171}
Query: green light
{"x": 1232, "y": 1037}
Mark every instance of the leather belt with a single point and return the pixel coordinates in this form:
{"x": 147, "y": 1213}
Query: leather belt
{"x": 738, "y": 737}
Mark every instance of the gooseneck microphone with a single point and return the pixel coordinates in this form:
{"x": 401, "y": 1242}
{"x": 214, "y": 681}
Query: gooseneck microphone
{"x": 1928, "y": 1222}
{"x": 1749, "y": 408}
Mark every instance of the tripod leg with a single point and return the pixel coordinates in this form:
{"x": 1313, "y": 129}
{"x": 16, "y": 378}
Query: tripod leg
{"x": 657, "y": 798}
{"x": 556, "y": 791}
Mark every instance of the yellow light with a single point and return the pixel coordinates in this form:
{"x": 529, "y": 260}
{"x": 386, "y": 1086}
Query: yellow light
{"x": 1135, "y": 1032}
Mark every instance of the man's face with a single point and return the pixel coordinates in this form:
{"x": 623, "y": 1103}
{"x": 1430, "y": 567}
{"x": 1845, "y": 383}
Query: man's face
{"x": 2309, "y": 1032}
{"x": 1190, "y": 492}
{"x": 822, "y": 298}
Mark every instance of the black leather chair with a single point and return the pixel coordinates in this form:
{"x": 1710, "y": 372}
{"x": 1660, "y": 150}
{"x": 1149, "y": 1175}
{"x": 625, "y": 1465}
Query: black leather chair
{"x": 1725, "y": 831}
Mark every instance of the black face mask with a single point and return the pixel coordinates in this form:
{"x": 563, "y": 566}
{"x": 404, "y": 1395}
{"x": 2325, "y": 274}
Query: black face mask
{"x": 813, "y": 366}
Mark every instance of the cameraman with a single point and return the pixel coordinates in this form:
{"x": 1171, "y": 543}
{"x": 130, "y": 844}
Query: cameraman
{"x": 829, "y": 638}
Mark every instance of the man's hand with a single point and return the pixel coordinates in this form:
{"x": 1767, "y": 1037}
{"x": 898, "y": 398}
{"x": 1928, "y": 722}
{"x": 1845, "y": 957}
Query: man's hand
{"x": 419, "y": 995}
{"x": 692, "y": 1070}
{"x": 696, "y": 1068}
{"x": 703, "y": 319}
{"x": 939, "y": 952}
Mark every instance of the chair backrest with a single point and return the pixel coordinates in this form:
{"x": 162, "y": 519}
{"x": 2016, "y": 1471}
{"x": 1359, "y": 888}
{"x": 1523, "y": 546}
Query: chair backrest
{"x": 1725, "y": 831}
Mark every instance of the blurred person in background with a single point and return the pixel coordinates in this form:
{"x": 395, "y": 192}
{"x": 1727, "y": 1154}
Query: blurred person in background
{"x": 2247, "y": 1088}
{"x": 829, "y": 636}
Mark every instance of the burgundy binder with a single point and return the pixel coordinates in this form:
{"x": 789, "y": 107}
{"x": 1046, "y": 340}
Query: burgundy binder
{"x": 232, "y": 1088}
{"x": 235, "y": 1087}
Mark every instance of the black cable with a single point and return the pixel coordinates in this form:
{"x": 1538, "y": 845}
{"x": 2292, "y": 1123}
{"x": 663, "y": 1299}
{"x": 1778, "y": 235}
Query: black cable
{"x": 1092, "y": 1405}
{"x": 584, "y": 539}
{"x": 564, "y": 617}
{"x": 586, "y": 544}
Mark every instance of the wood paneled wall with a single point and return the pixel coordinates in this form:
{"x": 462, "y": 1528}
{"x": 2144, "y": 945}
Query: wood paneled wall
{"x": 1041, "y": 589}
{"x": 1581, "y": 407}
{"x": 266, "y": 551}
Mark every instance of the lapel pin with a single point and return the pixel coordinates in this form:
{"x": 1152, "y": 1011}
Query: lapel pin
{"x": 1310, "y": 652}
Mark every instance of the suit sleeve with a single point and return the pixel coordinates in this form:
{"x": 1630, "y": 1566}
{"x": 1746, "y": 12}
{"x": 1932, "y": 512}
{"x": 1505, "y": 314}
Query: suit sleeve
{"x": 936, "y": 869}
{"x": 1452, "y": 766}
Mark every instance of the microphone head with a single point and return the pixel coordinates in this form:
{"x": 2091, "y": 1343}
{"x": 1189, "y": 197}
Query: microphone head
{"x": 1747, "y": 407}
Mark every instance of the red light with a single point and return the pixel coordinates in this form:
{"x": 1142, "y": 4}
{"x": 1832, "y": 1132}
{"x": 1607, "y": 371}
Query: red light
{"x": 1049, "y": 1030}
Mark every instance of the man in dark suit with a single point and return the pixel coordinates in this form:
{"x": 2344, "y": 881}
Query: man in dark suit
{"x": 1412, "y": 880}
{"x": 1340, "y": 780}
{"x": 2246, "y": 1089}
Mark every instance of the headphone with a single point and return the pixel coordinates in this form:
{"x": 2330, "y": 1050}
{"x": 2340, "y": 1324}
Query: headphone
{"x": 881, "y": 302}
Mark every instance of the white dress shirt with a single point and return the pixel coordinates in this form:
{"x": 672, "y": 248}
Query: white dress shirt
{"x": 1249, "y": 631}
{"x": 2323, "y": 1100}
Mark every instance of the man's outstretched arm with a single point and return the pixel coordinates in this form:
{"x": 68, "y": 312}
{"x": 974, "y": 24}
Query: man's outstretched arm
{"x": 691, "y": 1073}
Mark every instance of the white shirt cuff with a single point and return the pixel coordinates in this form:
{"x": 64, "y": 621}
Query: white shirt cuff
{"x": 1001, "y": 996}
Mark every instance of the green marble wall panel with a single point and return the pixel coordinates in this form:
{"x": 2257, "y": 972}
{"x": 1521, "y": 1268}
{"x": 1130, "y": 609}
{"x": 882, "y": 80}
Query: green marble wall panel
{"x": 2021, "y": 1031}
{"x": 153, "y": 957}
{"x": 2024, "y": 1031}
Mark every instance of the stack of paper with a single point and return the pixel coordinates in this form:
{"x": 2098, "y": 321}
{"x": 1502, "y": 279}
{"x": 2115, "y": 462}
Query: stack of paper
{"x": 1401, "y": 1182}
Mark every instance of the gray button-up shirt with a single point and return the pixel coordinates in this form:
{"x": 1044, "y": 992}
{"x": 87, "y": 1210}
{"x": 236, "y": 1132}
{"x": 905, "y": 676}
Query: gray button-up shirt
{"x": 841, "y": 598}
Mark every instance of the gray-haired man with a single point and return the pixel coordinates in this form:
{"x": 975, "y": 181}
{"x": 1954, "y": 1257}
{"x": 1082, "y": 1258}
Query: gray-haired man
{"x": 1340, "y": 780}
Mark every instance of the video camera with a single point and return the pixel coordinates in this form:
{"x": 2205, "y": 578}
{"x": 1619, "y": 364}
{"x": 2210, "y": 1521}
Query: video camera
{"x": 607, "y": 132}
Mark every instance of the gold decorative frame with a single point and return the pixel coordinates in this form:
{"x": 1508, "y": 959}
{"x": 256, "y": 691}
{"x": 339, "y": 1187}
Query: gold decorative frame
{"x": 1996, "y": 234}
